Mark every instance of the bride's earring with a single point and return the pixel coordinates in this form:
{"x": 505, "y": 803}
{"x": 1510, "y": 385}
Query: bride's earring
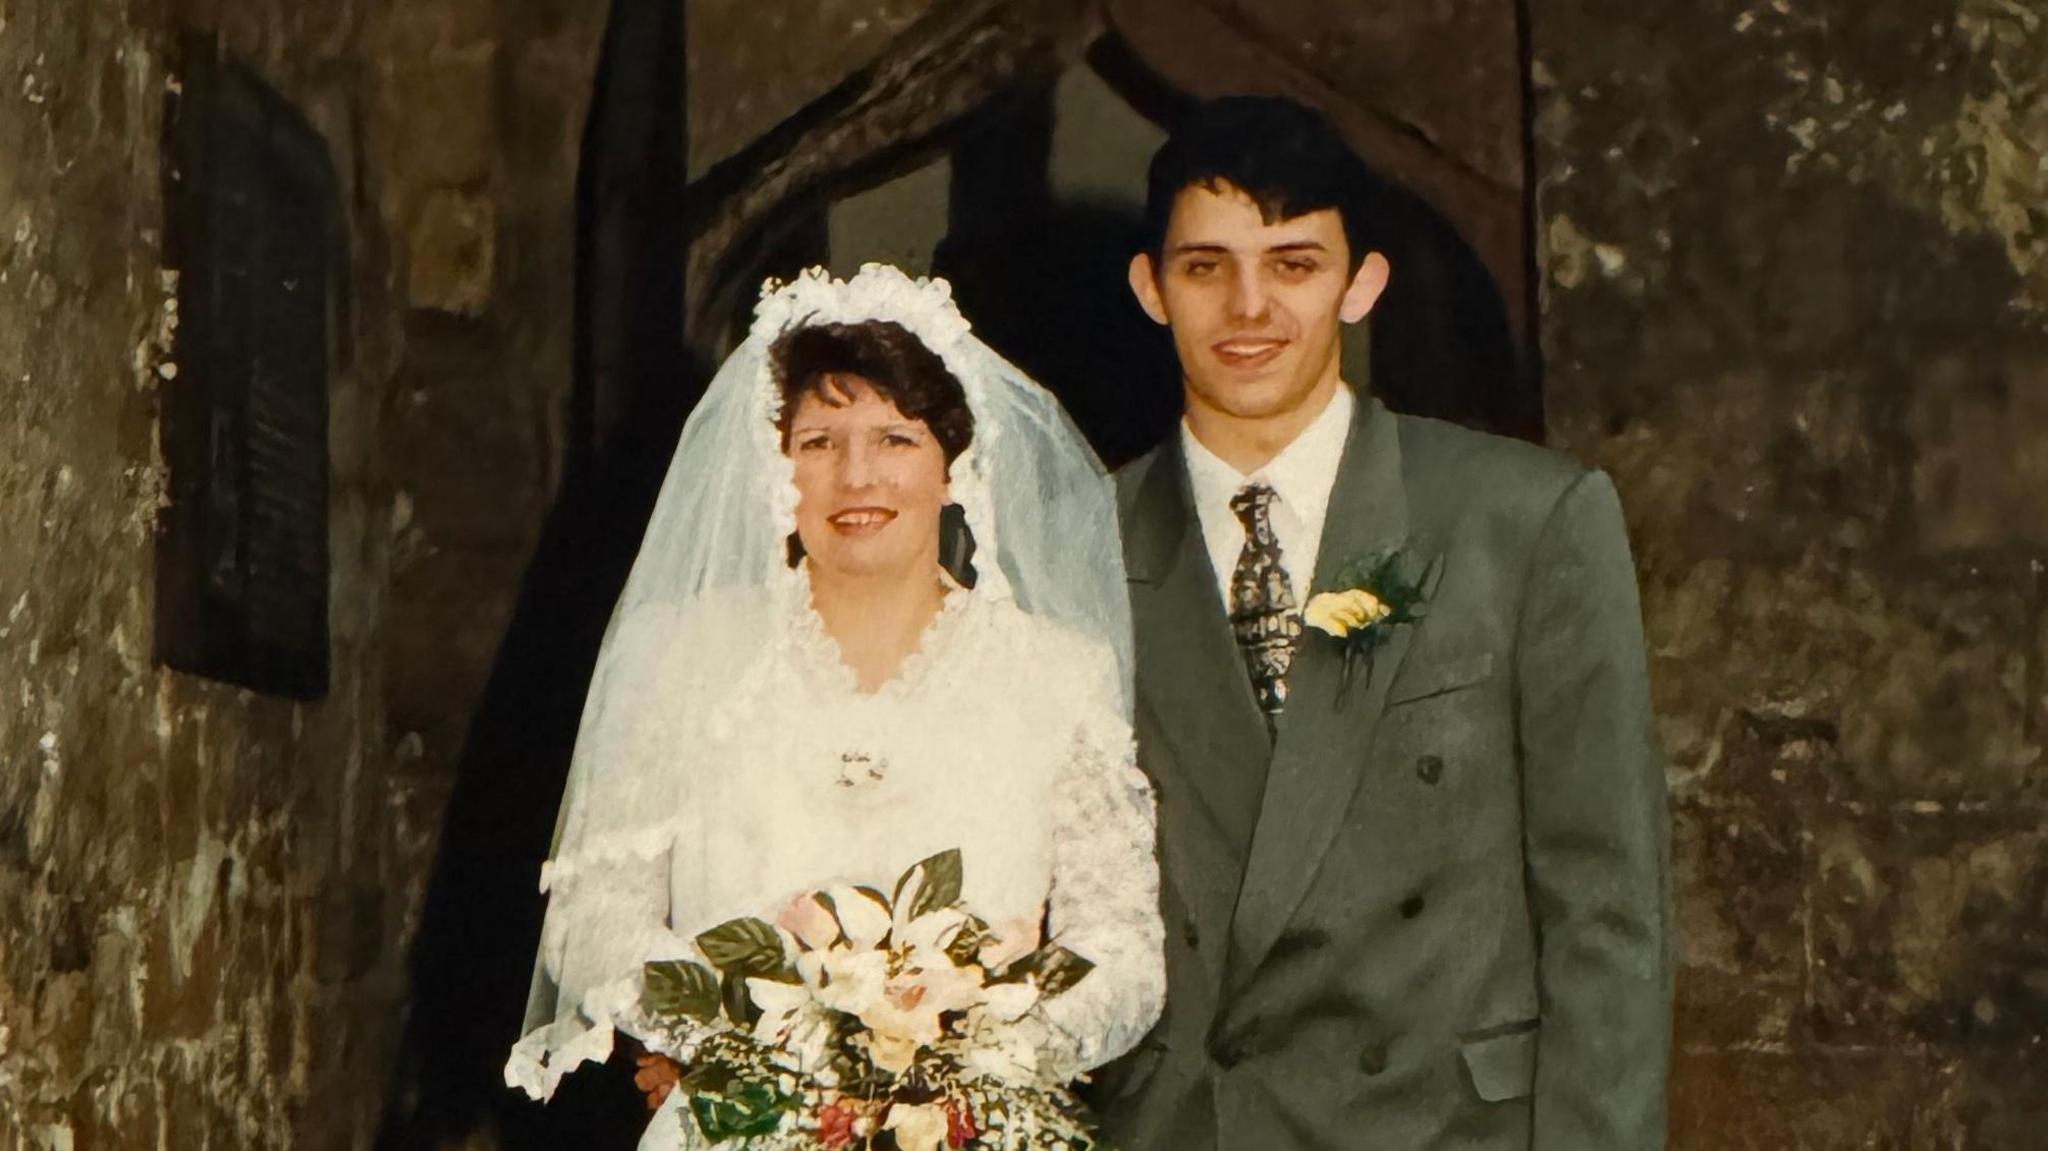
{"x": 956, "y": 545}
{"x": 795, "y": 547}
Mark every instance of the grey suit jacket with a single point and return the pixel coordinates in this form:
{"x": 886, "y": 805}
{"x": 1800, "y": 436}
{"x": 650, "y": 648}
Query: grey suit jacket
{"x": 1450, "y": 930}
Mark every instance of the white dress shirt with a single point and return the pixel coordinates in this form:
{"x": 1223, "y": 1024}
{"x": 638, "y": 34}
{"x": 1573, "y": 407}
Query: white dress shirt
{"x": 1301, "y": 477}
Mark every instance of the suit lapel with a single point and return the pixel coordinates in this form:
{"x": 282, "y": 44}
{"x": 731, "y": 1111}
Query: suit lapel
{"x": 1190, "y": 672}
{"x": 1320, "y": 755}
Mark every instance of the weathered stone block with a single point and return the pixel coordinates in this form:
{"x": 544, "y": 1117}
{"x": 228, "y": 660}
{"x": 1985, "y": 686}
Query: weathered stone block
{"x": 351, "y": 923}
{"x": 1939, "y": 706}
{"x": 1980, "y": 464}
{"x": 414, "y": 34}
{"x": 440, "y": 126}
{"x": 1741, "y": 942}
{"x": 1895, "y": 687}
{"x": 452, "y": 253}
{"x": 1771, "y": 1101}
{"x": 1930, "y": 926}
{"x": 1996, "y": 1097}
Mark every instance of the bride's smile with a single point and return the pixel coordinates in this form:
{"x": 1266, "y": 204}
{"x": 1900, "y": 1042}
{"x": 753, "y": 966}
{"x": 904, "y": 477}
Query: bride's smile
{"x": 861, "y": 521}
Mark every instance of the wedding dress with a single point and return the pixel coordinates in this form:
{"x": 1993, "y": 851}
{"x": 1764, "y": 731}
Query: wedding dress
{"x": 729, "y": 761}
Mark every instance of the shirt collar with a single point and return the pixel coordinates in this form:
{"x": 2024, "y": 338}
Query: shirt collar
{"x": 1301, "y": 475}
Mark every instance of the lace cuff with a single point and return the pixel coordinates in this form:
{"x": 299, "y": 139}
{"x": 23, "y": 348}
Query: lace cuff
{"x": 607, "y": 915}
{"x": 545, "y": 1054}
{"x": 1105, "y": 897}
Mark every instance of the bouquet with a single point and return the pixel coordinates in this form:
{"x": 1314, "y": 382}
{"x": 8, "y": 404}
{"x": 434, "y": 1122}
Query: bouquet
{"x": 859, "y": 1021}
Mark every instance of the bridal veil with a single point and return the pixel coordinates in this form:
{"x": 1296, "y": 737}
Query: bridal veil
{"x": 1043, "y": 514}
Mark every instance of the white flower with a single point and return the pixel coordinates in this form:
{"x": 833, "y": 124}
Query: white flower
{"x": 1004, "y": 1049}
{"x": 928, "y": 933}
{"x": 891, "y": 1053}
{"x": 920, "y": 1127}
{"x": 864, "y": 920}
{"x": 1010, "y": 1002}
{"x": 808, "y": 919}
{"x": 845, "y": 980}
{"x": 913, "y": 1001}
{"x": 1009, "y": 941}
{"x": 793, "y": 1021}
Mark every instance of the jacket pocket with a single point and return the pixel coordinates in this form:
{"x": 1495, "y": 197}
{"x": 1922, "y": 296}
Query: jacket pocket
{"x": 1440, "y": 676}
{"x": 1502, "y": 1067}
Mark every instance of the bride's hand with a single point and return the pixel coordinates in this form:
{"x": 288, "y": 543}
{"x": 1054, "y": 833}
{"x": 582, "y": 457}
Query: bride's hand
{"x": 656, "y": 1077}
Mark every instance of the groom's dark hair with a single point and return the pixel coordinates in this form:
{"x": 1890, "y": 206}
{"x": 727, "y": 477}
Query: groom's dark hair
{"x": 1281, "y": 153}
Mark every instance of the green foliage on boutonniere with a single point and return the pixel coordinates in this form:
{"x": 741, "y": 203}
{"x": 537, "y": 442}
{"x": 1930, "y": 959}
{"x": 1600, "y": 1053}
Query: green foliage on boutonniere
{"x": 1371, "y": 598}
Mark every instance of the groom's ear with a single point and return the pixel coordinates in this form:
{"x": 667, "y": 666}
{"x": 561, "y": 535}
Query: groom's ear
{"x": 1145, "y": 286}
{"x": 1367, "y": 285}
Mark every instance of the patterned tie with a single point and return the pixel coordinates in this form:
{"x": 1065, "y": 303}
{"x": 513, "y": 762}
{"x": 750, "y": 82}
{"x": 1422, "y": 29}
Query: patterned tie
{"x": 1262, "y": 601}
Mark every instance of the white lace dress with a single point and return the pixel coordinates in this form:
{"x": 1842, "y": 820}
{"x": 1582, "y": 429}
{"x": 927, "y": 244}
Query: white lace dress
{"x": 1003, "y": 736}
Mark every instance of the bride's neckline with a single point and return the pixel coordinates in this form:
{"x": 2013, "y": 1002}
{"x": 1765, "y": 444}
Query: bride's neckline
{"x": 823, "y": 655}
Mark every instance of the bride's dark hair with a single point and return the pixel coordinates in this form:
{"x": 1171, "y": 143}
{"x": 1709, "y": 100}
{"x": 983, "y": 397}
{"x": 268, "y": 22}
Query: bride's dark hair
{"x": 884, "y": 353}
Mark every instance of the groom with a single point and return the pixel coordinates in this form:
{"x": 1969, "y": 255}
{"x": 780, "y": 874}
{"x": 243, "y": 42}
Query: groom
{"x": 1415, "y": 875}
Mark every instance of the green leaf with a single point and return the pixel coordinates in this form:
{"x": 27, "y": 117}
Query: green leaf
{"x": 935, "y": 883}
{"x": 739, "y": 1005}
{"x": 965, "y": 946}
{"x": 709, "y": 1078}
{"x": 1055, "y": 968}
{"x": 745, "y": 1108}
{"x": 677, "y": 987}
{"x": 746, "y": 947}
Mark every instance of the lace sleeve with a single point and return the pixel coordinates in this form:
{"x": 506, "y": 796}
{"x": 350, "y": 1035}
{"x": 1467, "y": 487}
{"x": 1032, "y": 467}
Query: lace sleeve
{"x": 610, "y": 916}
{"x": 608, "y": 883}
{"x": 607, "y": 915}
{"x": 1105, "y": 894}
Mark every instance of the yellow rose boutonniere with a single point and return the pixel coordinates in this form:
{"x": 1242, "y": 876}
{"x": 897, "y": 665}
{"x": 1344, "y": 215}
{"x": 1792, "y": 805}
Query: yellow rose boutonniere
{"x": 1373, "y": 597}
{"x": 1339, "y": 613}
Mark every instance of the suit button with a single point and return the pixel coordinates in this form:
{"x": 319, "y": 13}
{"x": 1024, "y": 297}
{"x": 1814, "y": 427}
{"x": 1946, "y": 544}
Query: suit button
{"x": 1373, "y": 1058}
{"x": 1188, "y": 933}
{"x": 1430, "y": 768}
{"x": 1412, "y": 907}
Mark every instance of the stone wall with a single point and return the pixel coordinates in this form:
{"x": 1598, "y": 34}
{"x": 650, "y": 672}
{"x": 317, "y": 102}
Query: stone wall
{"x": 1795, "y": 297}
{"x": 206, "y": 894}
{"x": 191, "y": 905}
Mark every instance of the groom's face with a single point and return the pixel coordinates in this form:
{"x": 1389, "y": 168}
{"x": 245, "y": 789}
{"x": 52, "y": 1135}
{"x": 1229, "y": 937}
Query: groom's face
{"x": 1256, "y": 308}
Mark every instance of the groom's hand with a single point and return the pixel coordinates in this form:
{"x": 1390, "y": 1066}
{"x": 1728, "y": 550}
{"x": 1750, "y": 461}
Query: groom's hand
{"x": 656, "y": 1077}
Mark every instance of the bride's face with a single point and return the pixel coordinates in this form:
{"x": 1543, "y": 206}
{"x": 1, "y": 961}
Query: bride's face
{"x": 870, "y": 482}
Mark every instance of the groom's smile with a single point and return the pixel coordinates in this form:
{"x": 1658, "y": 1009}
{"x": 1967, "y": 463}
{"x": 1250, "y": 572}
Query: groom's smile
{"x": 1249, "y": 355}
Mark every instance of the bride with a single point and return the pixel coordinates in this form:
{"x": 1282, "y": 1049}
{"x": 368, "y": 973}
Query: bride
{"x": 879, "y": 613}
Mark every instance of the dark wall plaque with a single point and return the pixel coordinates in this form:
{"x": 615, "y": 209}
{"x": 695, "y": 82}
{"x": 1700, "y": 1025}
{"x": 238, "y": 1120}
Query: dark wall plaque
{"x": 251, "y": 226}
